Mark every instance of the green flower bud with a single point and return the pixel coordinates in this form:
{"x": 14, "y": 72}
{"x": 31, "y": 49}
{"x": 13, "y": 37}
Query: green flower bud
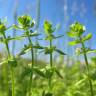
{"x": 48, "y": 28}
{"x": 26, "y": 21}
{"x": 77, "y": 29}
{"x": 2, "y": 28}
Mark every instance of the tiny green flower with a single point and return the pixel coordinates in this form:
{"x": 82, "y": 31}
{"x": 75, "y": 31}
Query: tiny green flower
{"x": 26, "y": 21}
{"x": 76, "y": 30}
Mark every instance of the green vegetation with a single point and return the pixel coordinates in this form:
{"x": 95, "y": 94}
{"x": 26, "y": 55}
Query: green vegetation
{"x": 25, "y": 77}
{"x": 76, "y": 32}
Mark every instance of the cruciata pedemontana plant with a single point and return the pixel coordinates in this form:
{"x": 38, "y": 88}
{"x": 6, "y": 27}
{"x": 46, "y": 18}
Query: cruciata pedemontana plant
{"x": 76, "y": 32}
{"x": 10, "y": 60}
{"x": 49, "y": 70}
{"x": 26, "y": 23}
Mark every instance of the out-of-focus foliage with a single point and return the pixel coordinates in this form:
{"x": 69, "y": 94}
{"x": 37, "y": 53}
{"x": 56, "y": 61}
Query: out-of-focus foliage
{"x": 73, "y": 82}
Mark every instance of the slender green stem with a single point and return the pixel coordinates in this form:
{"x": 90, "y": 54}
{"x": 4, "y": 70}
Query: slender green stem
{"x": 12, "y": 70}
{"x": 49, "y": 84}
{"x": 5, "y": 74}
{"x": 51, "y": 64}
{"x": 32, "y": 65}
{"x": 7, "y": 47}
{"x": 88, "y": 71}
{"x": 6, "y": 65}
{"x": 51, "y": 55}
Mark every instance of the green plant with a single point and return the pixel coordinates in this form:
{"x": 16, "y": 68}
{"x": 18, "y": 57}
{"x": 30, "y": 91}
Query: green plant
{"x": 49, "y": 30}
{"x": 26, "y": 23}
{"x": 76, "y": 32}
{"x": 11, "y": 60}
{"x": 34, "y": 79}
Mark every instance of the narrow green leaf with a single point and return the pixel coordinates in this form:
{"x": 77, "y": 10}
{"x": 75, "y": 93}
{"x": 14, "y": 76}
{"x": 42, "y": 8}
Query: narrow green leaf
{"x": 80, "y": 82}
{"x": 87, "y": 37}
{"x": 60, "y": 52}
{"x": 59, "y": 36}
{"x": 38, "y": 47}
{"x": 91, "y": 51}
{"x": 26, "y": 72}
{"x": 21, "y": 37}
{"x": 24, "y": 50}
{"x": 9, "y": 28}
{"x": 17, "y": 27}
{"x": 75, "y": 42}
{"x": 39, "y": 72}
{"x": 71, "y": 34}
{"x": 3, "y": 62}
{"x": 58, "y": 73}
